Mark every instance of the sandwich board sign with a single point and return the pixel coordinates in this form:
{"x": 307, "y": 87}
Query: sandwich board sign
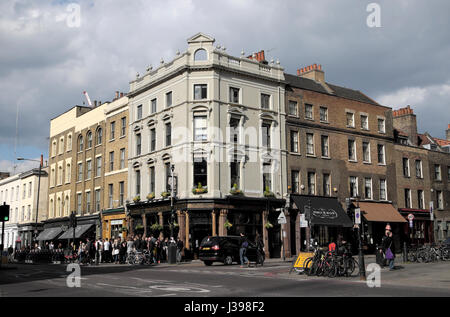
{"x": 282, "y": 218}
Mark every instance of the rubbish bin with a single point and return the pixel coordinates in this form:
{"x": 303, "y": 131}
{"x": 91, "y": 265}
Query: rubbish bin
{"x": 172, "y": 253}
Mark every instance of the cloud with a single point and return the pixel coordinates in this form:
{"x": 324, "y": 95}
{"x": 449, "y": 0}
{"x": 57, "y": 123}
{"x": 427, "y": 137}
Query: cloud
{"x": 45, "y": 65}
{"x": 430, "y": 104}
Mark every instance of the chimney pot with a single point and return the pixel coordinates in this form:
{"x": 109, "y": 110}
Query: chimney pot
{"x": 315, "y": 66}
{"x": 121, "y": 94}
{"x": 298, "y": 72}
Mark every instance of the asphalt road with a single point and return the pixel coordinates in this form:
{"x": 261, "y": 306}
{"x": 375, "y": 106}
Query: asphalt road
{"x": 196, "y": 280}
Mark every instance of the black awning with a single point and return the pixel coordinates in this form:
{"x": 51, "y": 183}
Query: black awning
{"x": 49, "y": 234}
{"x": 325, "y": 211}
{"x": 79, "y": 231}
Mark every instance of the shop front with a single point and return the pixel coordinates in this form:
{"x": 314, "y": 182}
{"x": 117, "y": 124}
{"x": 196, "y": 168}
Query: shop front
{"x": 376, "y": 216}
{"x": 114, "y": 224}
{"x": 196, "y": 219}
{"x": 420, "y": 230}
{"x": 28, "y": 233}
{"x": 323, "y": 216}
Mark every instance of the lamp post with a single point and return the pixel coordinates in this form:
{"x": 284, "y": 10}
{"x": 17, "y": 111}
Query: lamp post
{"x": 172, "y": 247}
{"x": 362, "y": 265}
{"x": 39, "y": 189}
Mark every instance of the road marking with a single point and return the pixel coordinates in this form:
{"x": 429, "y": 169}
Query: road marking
{"x": 175, "y": 288}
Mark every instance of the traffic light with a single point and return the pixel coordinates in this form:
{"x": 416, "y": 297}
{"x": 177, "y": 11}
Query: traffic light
{"x": 73, "y": 220}
{"x": 4, "y": 212}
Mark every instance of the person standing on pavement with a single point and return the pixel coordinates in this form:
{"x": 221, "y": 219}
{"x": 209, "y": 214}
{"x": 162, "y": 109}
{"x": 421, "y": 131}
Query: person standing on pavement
{"x": 388, "y": 248}
{"x": 259, "y": 249}
{"x": 180, "y": 247}
{"x": 106, "y": 249}
{"x": 99, "y": 251}
{"x": 243, "y": 243}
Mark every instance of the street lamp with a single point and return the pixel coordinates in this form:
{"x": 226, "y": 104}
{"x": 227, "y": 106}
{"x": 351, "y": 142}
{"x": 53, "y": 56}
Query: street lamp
{"x": 362, "y": 265}
{"x": 39, "y": 189}
{"x": 172, "y": 247}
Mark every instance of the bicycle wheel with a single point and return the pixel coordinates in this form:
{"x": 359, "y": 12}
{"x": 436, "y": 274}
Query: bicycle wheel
{"x": 312, "y": 271}
{"x": 412, "y": 256}
{"x": 352, "y": 266}
{"x": 307, "y": 265}
{"x": 131, "y": 259}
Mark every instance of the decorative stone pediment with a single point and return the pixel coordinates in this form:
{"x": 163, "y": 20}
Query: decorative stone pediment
{"x": 151, "y": 122}
{"x": 201, "y": 38}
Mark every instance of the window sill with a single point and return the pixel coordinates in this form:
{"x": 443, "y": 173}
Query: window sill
{"x": 381, "y": 164}
{"x": 293, "y": 116}
{"x": 311, "y": 155}
{"x": 309, "y": 119}
{"x": 295, "y": 153}
{"x": 353, "y": 161}
{"x": 122, "y": 136}
{"x": 324, "y": 122}
{"x": 350, "y": 126}
{"x": 326, "y": 157}
{"x": 112, "y": 140}
{"x": 367, "y": 162}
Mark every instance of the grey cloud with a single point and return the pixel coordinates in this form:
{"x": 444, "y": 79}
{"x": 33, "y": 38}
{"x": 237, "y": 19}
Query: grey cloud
{"x": 45, "y": 65}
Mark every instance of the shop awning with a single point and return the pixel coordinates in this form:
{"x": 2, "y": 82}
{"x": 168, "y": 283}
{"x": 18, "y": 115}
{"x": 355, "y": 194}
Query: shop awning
{"x": 49, "y": 234}
{"x": 325, "y": 211}
{"x": 380, "y": 212}
{"x": 79, "y": 231}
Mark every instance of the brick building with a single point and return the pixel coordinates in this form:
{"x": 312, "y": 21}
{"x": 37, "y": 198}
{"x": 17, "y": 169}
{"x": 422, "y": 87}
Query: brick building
{"x": 79, "y": 146}
{"x": 340, "y": 145}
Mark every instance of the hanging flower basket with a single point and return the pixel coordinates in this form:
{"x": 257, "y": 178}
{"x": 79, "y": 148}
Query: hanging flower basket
{"x": 268, "y": 225}
{"x": 227, "y": 224}
{"x": 139, "y": 227}
{"x": 156, "y": 227}
{"x": 137, "y": 199}
{"x": 199, "y": 189}
{"x": 151, "y": 196}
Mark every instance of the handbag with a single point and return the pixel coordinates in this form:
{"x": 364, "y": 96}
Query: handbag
{"x": 389, "y": 254}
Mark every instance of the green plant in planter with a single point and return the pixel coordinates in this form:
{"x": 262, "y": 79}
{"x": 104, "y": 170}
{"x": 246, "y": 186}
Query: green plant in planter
{"x": 137, "y": 199}
{"x": 268, "y": 225}
{"x": 268, "y": 193}
{"x": 227, "y": 224}
{"x": 199, "y": 189}
{"x": 174, "y": 225}
{"x": 235, "y": 190}
{"x": 139, "y": 227}
{"x": 165, "y": 194}
{"x": 151, "y": 196}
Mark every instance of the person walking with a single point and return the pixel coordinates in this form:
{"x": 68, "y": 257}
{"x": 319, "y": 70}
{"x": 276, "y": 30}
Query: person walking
{"x": 122, "y": 252}
{"x": 388, "y": 248}
{"x": 243, "y": 250}
{"x": 99, "y": 251}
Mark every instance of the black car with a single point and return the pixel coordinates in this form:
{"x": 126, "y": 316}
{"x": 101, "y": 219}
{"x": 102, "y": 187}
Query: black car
{"x": 225, "y": 250}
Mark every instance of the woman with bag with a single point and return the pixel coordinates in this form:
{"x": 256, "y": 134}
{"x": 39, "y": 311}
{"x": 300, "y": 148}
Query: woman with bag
{"x": 388, "y": 249}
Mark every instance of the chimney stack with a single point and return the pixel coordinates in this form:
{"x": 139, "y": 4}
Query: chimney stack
{"x": 117, "y": 95}
{"x": 448, "y": 133}
{"x": 121, "y": 94}
{"x": 405, "y": 120}
{"x": 313, "y": 72}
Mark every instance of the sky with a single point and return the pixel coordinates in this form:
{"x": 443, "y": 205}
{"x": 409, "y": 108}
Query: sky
{"x": 52, "y": 51}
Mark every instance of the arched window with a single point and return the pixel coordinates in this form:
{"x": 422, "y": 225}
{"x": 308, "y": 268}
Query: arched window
{"x": 69, "y": 142}
{"x": 80, "y": 143}
{"x": 89, "y": 139}
{"x": 54, "y": 148}
{"x": 200, "y": 55}
{"x": 52, "y": 212}
{"x": 66, "y": 206}
{"x": 99, "y": 136}
{"x": 59, "y": 207}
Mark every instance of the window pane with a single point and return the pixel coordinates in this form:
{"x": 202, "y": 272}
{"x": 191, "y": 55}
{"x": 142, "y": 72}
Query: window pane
{"x": 200, "y": 129}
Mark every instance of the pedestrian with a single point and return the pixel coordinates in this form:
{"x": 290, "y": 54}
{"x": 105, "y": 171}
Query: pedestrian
{"x": 243, "y": 243}
{"x": 180, "y": 246}
{"x": 259, "y": 249}
{"x": 116, "y": 251}
{"x": 388, "y": 248}
{"x": 90, "y": 250}
{"x": 165, "y": 248}
{"x": 122, "y": 252}
{"x": 332, "y": 246}
{"x": 106, "y": 250}
{"x": 99, "y": 251}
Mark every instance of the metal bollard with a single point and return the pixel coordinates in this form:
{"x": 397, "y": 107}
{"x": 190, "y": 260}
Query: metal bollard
{"x": 405, "y": 252}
